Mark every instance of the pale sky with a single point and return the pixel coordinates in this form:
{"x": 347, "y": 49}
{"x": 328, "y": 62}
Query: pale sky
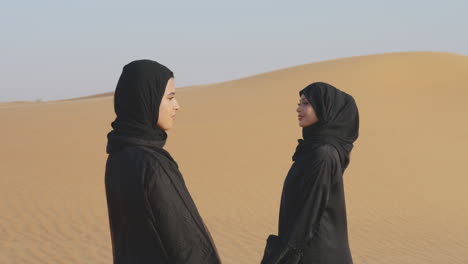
{"x": 62, "y": 49}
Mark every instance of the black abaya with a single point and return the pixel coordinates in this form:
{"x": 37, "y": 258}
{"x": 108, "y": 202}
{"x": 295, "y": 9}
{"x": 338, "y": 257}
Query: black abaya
{"x": 152, "y": 216}
{"x": 312, "y": 221}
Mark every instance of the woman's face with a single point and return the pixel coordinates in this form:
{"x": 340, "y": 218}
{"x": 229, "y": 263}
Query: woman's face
{"x": 168, "y": 107}
{"x": 306, "y": 113}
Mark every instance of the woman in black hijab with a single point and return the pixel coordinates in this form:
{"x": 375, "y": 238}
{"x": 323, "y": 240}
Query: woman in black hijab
{"x": 152, "y": 216}
{"x": 312, "y": 221}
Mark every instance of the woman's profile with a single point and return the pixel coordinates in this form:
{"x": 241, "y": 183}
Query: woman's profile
{"x": 312, "y": 220}
{"x": 152, "y": 216}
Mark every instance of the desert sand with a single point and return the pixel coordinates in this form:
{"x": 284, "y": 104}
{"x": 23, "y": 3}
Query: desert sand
{"x": 406, "y": 187}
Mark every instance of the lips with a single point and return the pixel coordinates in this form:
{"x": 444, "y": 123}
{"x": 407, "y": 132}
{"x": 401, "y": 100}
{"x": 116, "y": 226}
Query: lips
{"x": 300, "y": 117}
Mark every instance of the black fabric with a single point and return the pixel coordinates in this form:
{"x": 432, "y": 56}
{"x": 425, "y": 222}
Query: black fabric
{"x": 152, "y": 216}
{"x": 312, "y": 221}
{"x": 137, "y": 98}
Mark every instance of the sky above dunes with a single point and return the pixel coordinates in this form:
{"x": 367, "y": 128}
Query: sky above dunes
{"x": 53, "y": 50}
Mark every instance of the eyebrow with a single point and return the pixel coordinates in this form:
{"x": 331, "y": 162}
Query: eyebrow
{"x": 173, "y": 93}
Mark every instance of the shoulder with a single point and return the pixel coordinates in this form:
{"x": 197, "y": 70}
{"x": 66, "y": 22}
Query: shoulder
{"x": 323, "y": 160}
{"x": 134, "y": 156}
{"x": 323, "y": 156}
{"x": 325, "y": 153}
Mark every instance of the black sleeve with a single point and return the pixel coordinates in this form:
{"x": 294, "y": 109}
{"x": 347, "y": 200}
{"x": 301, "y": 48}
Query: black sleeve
{"x": 181, "y": 235}
{"x": 154, "y": 190}
{"x": 134, "y": 235}
{"x": 316, "y": 189}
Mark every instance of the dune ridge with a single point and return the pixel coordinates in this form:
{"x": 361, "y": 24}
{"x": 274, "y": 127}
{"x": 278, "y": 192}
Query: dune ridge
{"x": 405, "y": 187}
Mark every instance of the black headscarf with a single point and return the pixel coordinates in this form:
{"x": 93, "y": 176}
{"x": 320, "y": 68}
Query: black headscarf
{"x": 338, "y": 123}
{"x": 137, "y": 97}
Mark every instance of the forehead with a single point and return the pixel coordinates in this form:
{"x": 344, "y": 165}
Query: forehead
{"x": 170, "y": 87}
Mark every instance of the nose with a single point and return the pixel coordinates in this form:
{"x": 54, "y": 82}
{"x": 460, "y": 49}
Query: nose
{"x": 176, "y": 105}
{"x": 298, "y": 109}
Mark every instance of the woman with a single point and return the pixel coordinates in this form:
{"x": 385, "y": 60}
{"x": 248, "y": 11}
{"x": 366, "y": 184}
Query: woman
{"x": 312, "y": 221}
{"x": 152, "y": 216}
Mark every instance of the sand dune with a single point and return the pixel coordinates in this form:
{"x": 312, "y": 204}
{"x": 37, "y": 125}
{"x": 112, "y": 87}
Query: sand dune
{"x": 405, "y": 186}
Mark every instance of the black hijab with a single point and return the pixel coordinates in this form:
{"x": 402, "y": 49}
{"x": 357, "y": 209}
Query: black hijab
{"x": 338, "y": 123}
{"x": 137, "y": 97}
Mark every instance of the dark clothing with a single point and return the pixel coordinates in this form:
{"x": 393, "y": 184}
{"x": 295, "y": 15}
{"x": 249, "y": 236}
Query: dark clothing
{"x": 152, "y": 217}
{"x": 312, "y": 222}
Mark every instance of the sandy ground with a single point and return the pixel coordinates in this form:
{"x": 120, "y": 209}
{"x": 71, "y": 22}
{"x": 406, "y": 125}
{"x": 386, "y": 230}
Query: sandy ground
{"x": 405, "y": 188}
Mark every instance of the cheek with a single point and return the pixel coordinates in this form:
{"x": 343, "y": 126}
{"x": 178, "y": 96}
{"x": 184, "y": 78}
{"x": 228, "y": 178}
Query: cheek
{"x": 309, "y": 115}
{"x": 163, "y": 110}
{"x": 309, "y": 112}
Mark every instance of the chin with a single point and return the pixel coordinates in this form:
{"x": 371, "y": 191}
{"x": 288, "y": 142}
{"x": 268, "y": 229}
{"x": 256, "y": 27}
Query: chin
{"x": 303, "y": 124}
{"x": 165, "y": 127}
{"x": 169, "y": 127}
